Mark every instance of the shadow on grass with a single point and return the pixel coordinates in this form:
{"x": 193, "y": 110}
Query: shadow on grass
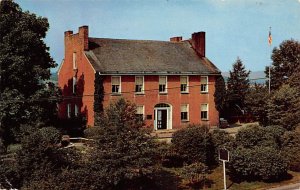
{"x": 207, "y": 183}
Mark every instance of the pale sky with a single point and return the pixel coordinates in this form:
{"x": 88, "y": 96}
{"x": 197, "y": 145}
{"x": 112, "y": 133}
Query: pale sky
{"x": 234, "y": 28}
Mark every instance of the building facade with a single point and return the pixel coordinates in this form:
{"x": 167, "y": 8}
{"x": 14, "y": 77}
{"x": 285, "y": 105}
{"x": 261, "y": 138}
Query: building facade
{"x": 171, "y": 82}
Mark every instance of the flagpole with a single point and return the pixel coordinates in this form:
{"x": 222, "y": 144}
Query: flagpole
{"x": 270, "y": 44}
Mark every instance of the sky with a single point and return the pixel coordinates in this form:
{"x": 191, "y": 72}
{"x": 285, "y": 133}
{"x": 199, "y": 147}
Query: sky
{"x": 234, "y": 28}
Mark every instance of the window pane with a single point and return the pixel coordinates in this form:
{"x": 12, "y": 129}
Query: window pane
{"x": 204, "y": 107}
{"x": 115, "y": 80}
{"x": 139, "y": 80}
{"x": 162, "y": 80}
{"x": 184, "y": 108}
{"x": 203, "y": 80}
{"x": 183, "y": 80}
{"x": 140, "y": 110}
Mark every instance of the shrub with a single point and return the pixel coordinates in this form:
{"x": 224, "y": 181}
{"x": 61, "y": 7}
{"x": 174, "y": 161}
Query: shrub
{"x": 221, "y": 139}
{"x": 194, "y": 173}
{"x": 259, "y": 163}
{"x": 194, "y": 143}
{"x": 291, "y": 148}
{"x": 259, "y": 136}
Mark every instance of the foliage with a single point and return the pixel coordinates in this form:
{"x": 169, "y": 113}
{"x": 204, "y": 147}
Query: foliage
{"x": 24, "y": 62}
{"x": 237, "y": 87}
{"x": 285, "y": 58}
{"x": 291, "y": 148}
{"x": 221, "y": 139}
{"x": 125, "y": 151}
{"x": 194, "y": 172}
{"x": 169, "y": 156}
{"x": 283, "y": 107}
{"x": 256, "y": 103}
{"x": 294, "y": 80}
{"x": 259, "y": 163}
{"x": 194, "y": 144}
{"x": 220, "y": 94}
{"x": 259, "y": 136}
{"x": 98, "y": 98}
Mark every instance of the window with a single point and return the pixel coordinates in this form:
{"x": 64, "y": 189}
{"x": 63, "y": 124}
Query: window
{"x": 184, "y": 112}
{"x": 76, "y": 110}
{"x": 204, "y": 112}
{"x": 139, "y": 84}
{"x": 74, "y": 85}
{"x": 74, "y": 61}
{"x": 140, "y": 112}
{"x": 116, "y": 85}
{"x": 183, "y": 83}
{"x": 69, "y": 110}
{"x": 162, "y": 84}
{"x": 204, "y": 84}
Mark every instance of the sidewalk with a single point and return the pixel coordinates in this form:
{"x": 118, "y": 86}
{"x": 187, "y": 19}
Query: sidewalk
{"x": 288, "y": 187}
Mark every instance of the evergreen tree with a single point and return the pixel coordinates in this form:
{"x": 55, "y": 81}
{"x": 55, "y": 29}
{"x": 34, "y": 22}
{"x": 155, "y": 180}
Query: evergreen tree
{"x": 237, "y": 87}
{"x": 286, "y": 58}
{"x": 24, "y": 63}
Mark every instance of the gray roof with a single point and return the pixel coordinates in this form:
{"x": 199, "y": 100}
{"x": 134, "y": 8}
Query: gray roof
{"x": 115, "y": 56}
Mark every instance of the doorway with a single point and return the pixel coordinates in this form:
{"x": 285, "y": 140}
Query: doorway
{"x": 162, "y": 117}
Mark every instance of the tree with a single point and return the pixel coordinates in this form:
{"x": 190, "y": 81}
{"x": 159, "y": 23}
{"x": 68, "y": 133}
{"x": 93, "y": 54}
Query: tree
{"x": 125, "y": 152}
{"x": 283, "y": 107}
{"x": 256, "y": 103}
{"x": 237, "y": 87}
{"x": 220, "y": 94}
{"x": 285, "y": 59}
{"x": 194, "y": 144}
{"x": 24, "y": 62}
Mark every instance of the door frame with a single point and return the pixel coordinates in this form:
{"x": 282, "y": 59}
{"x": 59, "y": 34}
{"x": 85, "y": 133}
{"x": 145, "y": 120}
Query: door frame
{"x": 169, "y": 116}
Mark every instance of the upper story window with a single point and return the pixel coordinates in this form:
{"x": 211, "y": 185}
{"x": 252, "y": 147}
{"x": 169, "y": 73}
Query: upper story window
{"x": 74, "y": 85}
{"x": 162, "y": 84}
{"x": 116, "y": 84}
{"x": 74, "y": 61}
{"x": 204, "y": 111}
{"x": 204, "y": 84}
{"x": 139, "y": 84}
{"x": 184, "y": 84}
{"x": 184, "y": 112}
{"x": 140, "y": 112}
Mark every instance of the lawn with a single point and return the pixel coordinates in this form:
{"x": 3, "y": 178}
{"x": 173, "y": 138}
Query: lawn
{"x": 214, "y": 181}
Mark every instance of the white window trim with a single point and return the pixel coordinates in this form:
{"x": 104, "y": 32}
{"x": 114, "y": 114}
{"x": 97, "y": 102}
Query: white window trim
{"x": 206, "y": 84}
{"x": 120, "y": 85}
{"x": 143, "y": 85}
{"x": 187, "y": 85}
{"x": 74, "y": 61}
{"x": 74, "y": 84}
{"x": 76, "y": 110}
{"x": 188, "y": 112}
{"x": 166, "y": 88}
{"x": 69, "y": 110}
{"x": 204, "y": 119}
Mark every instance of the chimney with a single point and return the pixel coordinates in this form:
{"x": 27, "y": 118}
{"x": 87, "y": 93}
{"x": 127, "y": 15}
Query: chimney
{"x": 176, "y": 39}
{"x": 84, "y": 36}
{"x": 198, "y": 43}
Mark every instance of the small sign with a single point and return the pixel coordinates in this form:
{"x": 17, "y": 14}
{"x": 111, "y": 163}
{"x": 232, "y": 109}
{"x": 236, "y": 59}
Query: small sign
{"x": 223, "y": 154}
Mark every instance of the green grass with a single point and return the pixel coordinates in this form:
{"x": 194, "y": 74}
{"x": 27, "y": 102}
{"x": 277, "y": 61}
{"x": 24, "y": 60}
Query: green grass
{"x": 214, "y": 181}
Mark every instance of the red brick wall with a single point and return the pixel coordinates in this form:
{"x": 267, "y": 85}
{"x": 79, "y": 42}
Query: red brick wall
{"x": 174, "y": 97}
{"x": 85, "y": 75}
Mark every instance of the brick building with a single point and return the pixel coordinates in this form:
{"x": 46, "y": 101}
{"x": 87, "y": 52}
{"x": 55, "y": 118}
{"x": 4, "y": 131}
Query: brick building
{"x": 171, "y": 82}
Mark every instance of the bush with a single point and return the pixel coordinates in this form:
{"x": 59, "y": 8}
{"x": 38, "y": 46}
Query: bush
{"x": 259, "y": 136}
{"x": 291, "y": 148}
{"x": 259, "y": 163}
{"x": 169, "y": 156}
{"x": 194, "y": 173}
{"x": 221, "y": 139}
{"x": 194, "y": 144}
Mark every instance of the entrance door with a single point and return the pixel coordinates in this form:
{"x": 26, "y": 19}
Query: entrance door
{"x": 162, "y": 119}
{"x": 162, "y": 116}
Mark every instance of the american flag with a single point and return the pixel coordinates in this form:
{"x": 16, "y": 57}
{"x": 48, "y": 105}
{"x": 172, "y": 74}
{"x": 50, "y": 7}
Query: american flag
{"x": 270, "y": 37}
